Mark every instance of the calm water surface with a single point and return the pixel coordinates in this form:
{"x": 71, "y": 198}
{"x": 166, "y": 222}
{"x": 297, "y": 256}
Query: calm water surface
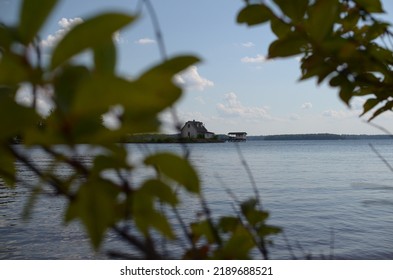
{"x": 330, "y": 197}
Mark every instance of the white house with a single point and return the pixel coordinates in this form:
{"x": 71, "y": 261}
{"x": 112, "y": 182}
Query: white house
{"x": 195, "y": 129}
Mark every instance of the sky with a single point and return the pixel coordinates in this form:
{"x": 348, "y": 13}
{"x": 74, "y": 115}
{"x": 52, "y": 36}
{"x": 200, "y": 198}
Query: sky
{"x": 234, "y": 87}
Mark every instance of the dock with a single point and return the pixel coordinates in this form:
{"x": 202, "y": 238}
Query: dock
{"x": 237, "y": 136}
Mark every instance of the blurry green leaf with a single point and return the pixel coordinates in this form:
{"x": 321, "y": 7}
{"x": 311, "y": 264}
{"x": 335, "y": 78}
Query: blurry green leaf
{"x": 106, "y": 162}
{"x": 6, "y": 38}
{"x": 254, "y": 14}
{"x": 238, "y": 246}
{"x": 279, "y": 27}
{"x": 13, "y": 69}
{"x": 248, "y": 205}
{"x": 176, "y": 168}
{"x": 89, "y": 34}
{"x": 369, "y": 104}
{"x": 268, "y": 230}
{"x": 165, "y": 71}
{"x": 95, "y": 205}
{"x": 146, "y": 216}
{"x": 7, "y": 167}
{"x": 315, "y": 66}
{"x": 156, "y": 188}
{"x": 22, "y": 117}
{"x": 202, "y": 229}
{"x": 228, "y": 224}
{"x": 66, "y": 85}
{"x": 105, "y": 57}
{"x": 287, "y": 46}
{"x": 387, "y": 107}
{"x": 33, "y": 16}
{"x": 141, "y": 99}
{"x": 371, "y": 6}
{"x": 346, "y": 92}
{"x": 254, "y": 216}
{"x": 322, "y": 17}
{"x": 376, "y": 30}
{"x": 350, "y": 22}
{"x": 338, "y": 80}
{"x": 294, "y": 9}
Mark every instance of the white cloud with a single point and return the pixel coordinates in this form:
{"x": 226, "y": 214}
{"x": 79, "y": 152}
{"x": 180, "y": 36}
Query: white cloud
{"x": 111, "y": 118}
{"x": 191, "y": 79}
{"x": 233, "y": 107}
{"x": 339, "y": 114}
{"x": 307, "y": 105}
{"x": 145, "y": 41}
{"x": 44, "y": 104}
{"x": 65, "y": 26}
{"x": 256, "y": 59}
{"x": 248, "y": 44}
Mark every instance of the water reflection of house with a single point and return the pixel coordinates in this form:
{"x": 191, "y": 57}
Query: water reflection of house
{"x": 195, "y": 129}
{"x": 237, "y": 136}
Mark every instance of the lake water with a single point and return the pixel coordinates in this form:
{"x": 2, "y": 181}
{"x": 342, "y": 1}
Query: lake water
{"x": 332, "y": 198}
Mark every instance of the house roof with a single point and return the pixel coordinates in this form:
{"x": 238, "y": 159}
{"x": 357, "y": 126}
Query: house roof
{"x": 200, "y": 128}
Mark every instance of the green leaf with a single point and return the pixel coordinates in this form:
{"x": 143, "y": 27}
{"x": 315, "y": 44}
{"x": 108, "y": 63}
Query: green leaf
{"x": 89, "y": 34}
{"x": 338, "y": 80}
{"x": 176, "y": 168}
{"x": 294, "y": 9}
{"x": 95, "y": 205}
{"x": 387, "y": 107}
{"x": 165, "y": 71}
{"x": 268, "y": 230}
{"x": 254, "y": 216}
{"x": 32, "y": 16}
{"x": 203, "y": 229}
{"x": 13, "y": 70}
{"x": 371, "y": 6}
{"x": 228, "y": 224}
{"x": 279, "y": 27}
{"x": 7, "y": 167}
{"x": 346, "y": 92}
{"x": 105, "y": 57}
{"x": 66, "y": 85}
{"x": 157, "y": 188}
{"x": 108, "y": 162}
{"x": 146, "y": 216}
{"x": 152, "y": 92}
{"x": 322, "y": 17}
{"x": 254, "y": 14}
{"x": 22, "y": 119}
{"x": 287, "y": 46}
{"x": 369, "y": 104}
{"x": 238, "y": 245}
{"x": 7, "y": 38}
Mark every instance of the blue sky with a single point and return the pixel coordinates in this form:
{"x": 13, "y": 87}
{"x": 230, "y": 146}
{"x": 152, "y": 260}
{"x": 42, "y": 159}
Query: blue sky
{"x": 234, "y": 88}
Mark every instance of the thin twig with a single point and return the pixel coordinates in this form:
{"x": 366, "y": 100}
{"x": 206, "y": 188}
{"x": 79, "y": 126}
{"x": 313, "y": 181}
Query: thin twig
{"x": 150, "y": 252}
{"x": 157, "y": 29}
{"x": 381, "y": 128}
{"x": 250, "y": 175}
{"x": 381, "y": 157}
{"x": 293, "y": 256}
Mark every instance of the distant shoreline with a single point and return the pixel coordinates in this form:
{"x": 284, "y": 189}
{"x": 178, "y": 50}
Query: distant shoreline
{"x": 319, "y": 136}
{"x": 220, "y": 138}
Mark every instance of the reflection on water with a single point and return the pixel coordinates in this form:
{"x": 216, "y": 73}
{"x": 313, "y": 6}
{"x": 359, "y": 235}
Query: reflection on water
{"x": 329, "y": 196}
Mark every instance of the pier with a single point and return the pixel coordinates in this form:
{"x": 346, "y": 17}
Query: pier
{"x": 237, "y": 136}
